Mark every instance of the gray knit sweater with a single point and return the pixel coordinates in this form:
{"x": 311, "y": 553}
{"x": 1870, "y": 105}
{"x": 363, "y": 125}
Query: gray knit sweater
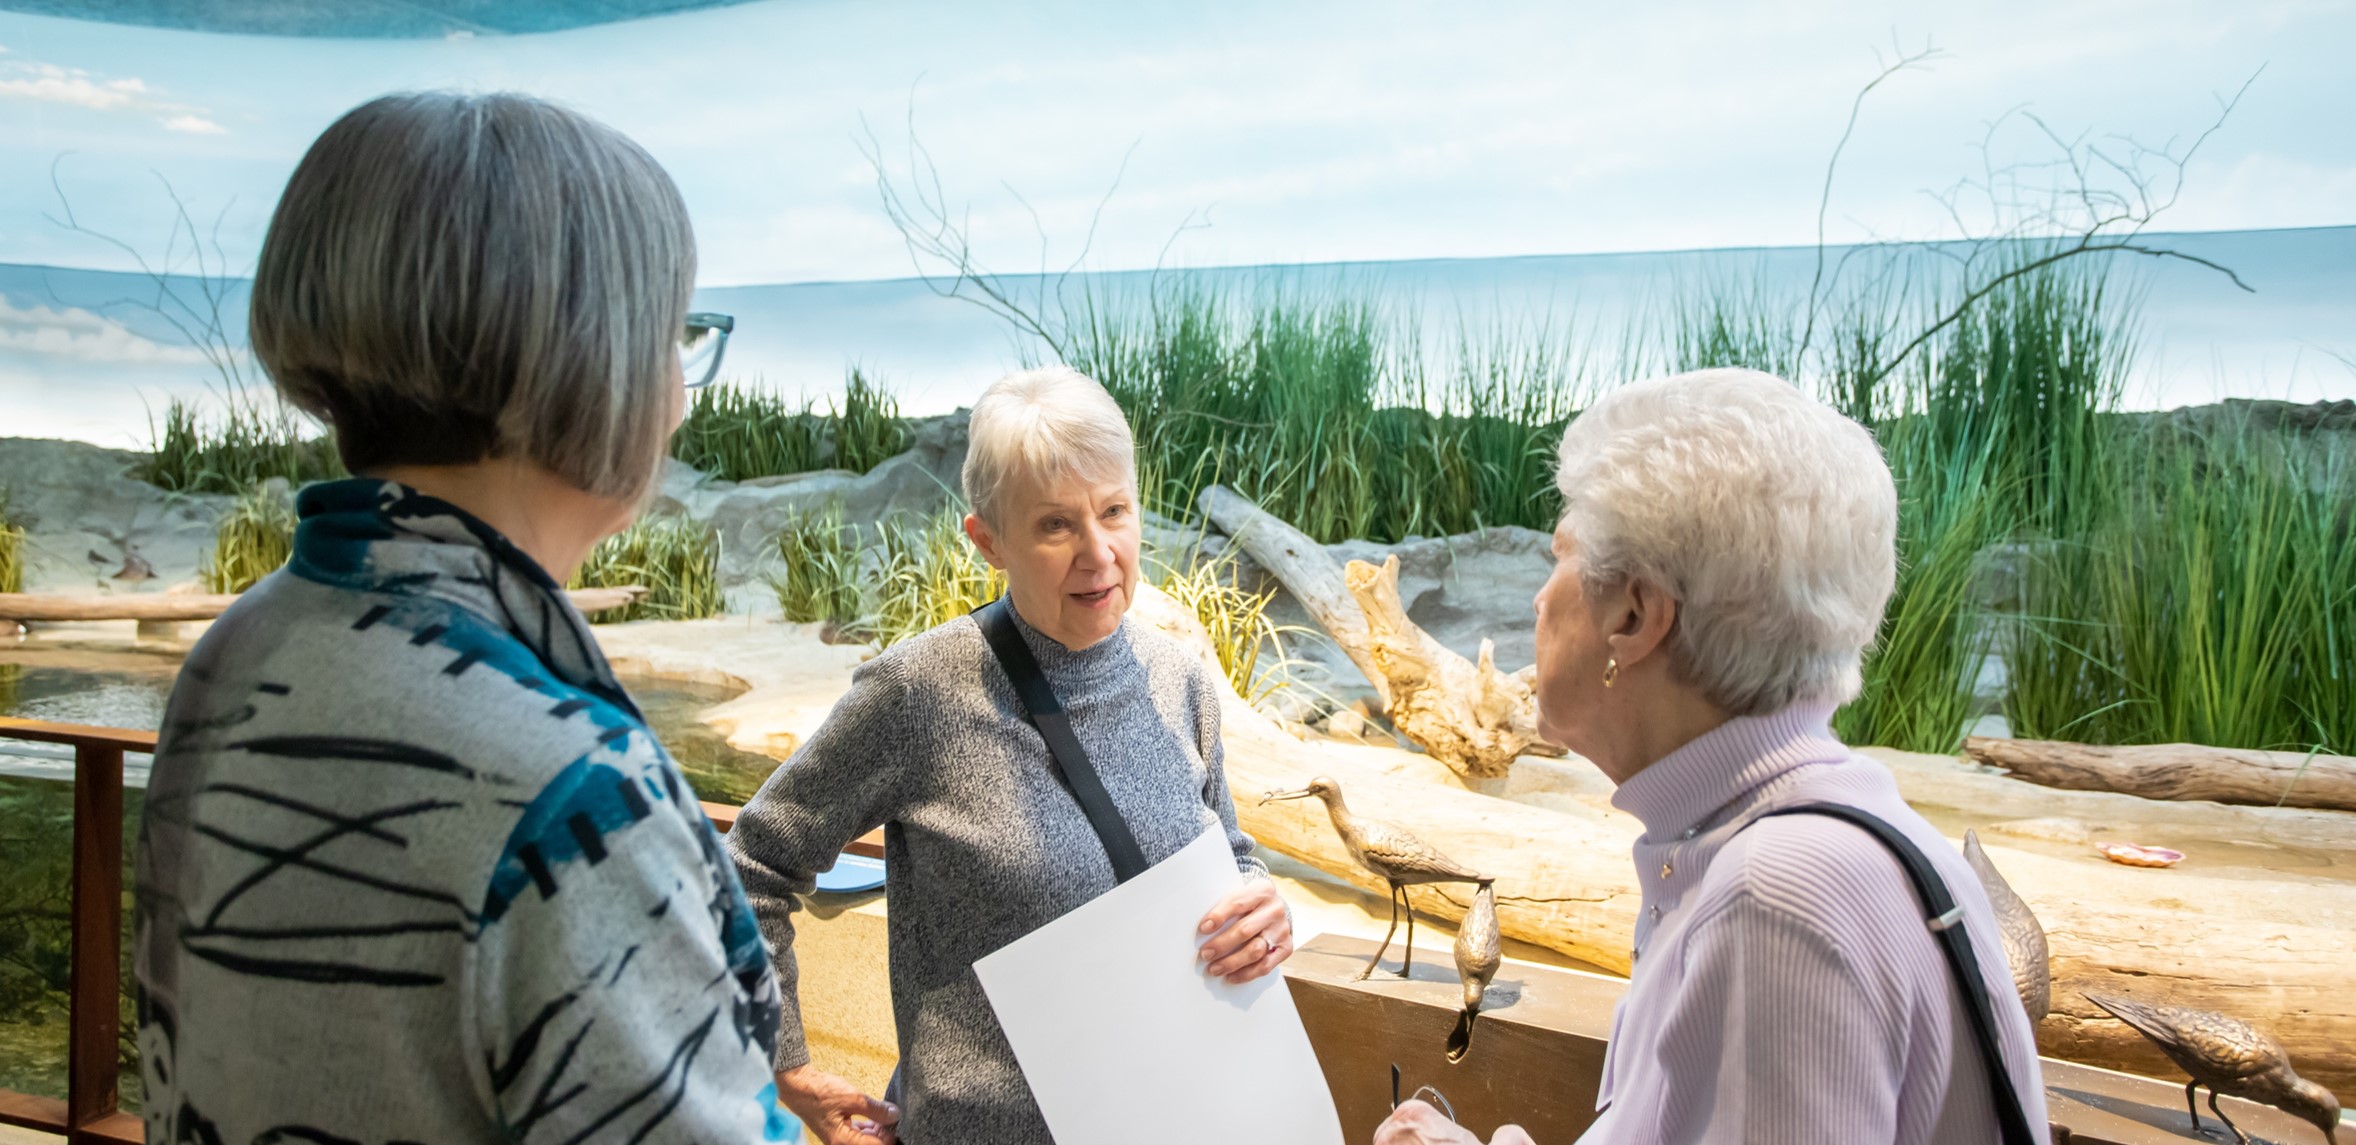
{"x": 982, "y": 842}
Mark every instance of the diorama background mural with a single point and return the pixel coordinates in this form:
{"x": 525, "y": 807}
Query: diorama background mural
{"x": 2087, "y": 270}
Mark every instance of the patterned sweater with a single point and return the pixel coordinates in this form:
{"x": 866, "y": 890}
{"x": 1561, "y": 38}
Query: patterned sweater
{"x": 982, "y": 843}
{"x": 414, "y": 869}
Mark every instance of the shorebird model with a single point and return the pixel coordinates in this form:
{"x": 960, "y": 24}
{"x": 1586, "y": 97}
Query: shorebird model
{"x": 1478, "y": 952}
{"x": 1399, "y": 858}
{"x": 2229, "y": 1056}
{"x": 2017, "y": 926}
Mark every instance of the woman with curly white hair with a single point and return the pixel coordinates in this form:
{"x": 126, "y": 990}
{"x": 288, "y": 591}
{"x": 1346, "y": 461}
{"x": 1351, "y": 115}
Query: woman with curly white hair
{"x": 1722, "y": 563}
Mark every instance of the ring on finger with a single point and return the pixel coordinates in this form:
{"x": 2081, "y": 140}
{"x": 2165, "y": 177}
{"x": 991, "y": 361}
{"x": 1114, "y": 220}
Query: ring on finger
{"x": 1264, "y": 941}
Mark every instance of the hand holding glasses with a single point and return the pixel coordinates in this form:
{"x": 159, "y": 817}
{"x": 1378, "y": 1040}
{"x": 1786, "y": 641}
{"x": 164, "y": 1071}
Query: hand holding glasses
{"x": 701, "y": 345}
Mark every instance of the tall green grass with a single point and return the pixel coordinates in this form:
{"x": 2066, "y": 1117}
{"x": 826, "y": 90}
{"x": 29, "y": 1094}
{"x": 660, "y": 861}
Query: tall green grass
{"x": 250, "y": 438}
{"x": 251, "y": 542}
{"x": 738, "y": 433}
{"x": 1919, "y": 678}
{"x": 1730, "y": 322}
{"x": 2212, "y": 602}
{"x": 677, "y": 561}
{"x": 1995, "y": 436}
{"x": 1321, "y": 410}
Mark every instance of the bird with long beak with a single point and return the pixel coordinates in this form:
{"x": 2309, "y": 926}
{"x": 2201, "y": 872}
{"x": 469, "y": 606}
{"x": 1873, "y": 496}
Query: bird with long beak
{"x": 1392, "y": 853}
{"x": 2025, "y": 948}
{"x": 2229, "y": 1056}
{"x": 1479, "y": 951}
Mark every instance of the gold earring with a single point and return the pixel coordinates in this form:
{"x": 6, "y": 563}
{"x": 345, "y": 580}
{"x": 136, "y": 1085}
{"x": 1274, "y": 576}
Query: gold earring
{"x": 1611, "y": 671}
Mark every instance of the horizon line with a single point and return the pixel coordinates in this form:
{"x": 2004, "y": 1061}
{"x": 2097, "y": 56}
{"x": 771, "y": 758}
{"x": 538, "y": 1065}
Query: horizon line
{"x": 1753, "y": 248}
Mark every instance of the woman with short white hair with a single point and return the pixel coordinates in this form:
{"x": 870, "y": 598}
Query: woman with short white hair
{"x": 1722, "y": 563}
{"x": 1020, "y": 761}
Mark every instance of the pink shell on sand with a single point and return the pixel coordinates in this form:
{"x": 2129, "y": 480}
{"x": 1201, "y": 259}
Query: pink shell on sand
{"x": 2137, "y": 855}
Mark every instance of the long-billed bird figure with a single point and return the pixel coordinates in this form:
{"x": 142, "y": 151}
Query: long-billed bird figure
{"x": 2229, "y": 1056}
{"x": 1479, "y": 950}
{"x": 2017, "y": 926}
{"x": 1393, "y": 854}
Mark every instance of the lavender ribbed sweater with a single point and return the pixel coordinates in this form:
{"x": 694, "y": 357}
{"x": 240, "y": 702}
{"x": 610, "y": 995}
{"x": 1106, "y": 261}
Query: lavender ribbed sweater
{"x": 1785, "y": 987}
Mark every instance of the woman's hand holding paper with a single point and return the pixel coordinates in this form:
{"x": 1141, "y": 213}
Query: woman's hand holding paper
{"x": 1259, "y": 939}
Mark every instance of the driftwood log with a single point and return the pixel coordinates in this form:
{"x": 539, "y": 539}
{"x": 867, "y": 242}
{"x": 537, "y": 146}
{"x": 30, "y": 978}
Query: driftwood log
{"x": 1469, "y": 716}
{"x": 165, "y": 606}
{"x": 2272, "y": 951}
{"x": 2179, "y": 771}
{"x": 1303, "y": 567}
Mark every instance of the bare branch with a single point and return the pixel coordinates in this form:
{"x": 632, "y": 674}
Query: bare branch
{"x": 2098, "y": 197}
{"x": 1905, "y": 61}
{"x": 940, "y": 246}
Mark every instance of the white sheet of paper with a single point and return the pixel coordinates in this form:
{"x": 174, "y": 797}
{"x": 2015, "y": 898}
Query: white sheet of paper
{"x": 1125, "y": 1040}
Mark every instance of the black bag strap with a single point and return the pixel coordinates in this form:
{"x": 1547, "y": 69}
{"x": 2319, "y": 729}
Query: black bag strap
{"x": 1046, "y": 713}
{"x": 1945, "y": 920}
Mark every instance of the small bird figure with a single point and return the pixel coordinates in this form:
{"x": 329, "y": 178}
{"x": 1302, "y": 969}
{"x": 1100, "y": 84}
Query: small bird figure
{"x": 135, "y": 568}
{"x": 1398, "y": 857}
{"x": 1478, "y": 952}
{"x": 2229, "y": 1056}
{"x": 2017, "y": 927}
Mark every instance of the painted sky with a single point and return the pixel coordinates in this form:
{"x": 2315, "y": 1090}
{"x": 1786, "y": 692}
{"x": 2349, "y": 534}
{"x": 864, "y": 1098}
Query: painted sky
{"x": 1310, "y": 131}
{"x": 1242, "y": 135}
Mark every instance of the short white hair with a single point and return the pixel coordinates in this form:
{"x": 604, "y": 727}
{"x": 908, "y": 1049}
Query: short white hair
{"x": 1769, "y": 517}
{"x": 1050, "y": 422}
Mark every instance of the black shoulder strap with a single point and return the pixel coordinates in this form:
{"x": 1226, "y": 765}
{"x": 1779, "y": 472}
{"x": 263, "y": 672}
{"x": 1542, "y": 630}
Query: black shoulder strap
{"x": 1037, "y": 697}
{"x": 1945, "y": 919}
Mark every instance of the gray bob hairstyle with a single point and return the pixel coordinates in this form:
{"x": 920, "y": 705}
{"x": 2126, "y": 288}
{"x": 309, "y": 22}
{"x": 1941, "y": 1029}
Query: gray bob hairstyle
{"x": 1770, "y": 518}
{"x": 450, "y": 278}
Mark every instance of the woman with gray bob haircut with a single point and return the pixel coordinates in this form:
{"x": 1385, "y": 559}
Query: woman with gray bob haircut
{"x": 406, "y": 832}
{"x": 1725, "y": 553}
{"x": 987, "y": 832}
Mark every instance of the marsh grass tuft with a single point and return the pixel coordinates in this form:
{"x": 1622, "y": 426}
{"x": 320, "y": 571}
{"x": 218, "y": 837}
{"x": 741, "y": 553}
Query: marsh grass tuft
{"x": 1322, "y": 412}
{"x": 252, "y": 541}
{"x": 12, "y": 548}
{"x": 676, "y": 560}
{"x": 252, "y": 438}
{"x": 864, "y": 427}
{"x": 737, "y": 432}
{"x": 1242, "y": 633}
{"x": 816, "y": 572}
{"x": 926, "y": 574}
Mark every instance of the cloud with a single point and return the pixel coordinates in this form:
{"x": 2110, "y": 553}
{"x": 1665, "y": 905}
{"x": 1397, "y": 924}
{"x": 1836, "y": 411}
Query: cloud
{"x": 49, "y": 83}
{"x": 79, "y": 335}
{"x": 75, "y": 87}
{"x": 194, "y": 125}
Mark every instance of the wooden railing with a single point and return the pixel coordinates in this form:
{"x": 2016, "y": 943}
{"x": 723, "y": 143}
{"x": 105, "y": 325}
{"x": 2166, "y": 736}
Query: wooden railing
{"x": 91, "y": 1110}
{"x": 93, "y": 1019}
